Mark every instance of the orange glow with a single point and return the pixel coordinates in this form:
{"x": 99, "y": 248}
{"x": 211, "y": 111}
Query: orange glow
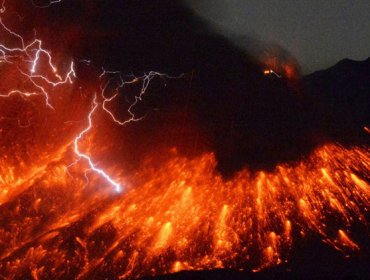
{"x": 281, "y": 67}
{"x": 346, "y": 241}
{"x": 183, "y": 215}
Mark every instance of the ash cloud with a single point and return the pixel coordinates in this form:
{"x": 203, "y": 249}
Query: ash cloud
{"x": 223, "y": 104}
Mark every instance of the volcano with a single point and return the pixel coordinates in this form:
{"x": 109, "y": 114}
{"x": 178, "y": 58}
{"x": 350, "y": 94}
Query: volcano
{"x": 137, "y": 142}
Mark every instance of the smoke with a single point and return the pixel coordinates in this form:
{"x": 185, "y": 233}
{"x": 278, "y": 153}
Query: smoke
{"x": 224, "y": 103}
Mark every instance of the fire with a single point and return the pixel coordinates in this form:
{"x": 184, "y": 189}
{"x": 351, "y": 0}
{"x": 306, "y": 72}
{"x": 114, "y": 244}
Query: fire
{"x": 280, "y": 64}
{"x": 60, "y": 218}
{"x": 184, "y": 215}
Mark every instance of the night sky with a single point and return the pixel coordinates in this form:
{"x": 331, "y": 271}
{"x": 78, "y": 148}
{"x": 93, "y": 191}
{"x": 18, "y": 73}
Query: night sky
{"x": 318, "y": 33}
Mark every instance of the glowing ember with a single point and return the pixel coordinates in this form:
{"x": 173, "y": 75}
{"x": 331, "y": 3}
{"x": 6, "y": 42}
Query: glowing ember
{"x": 270, "y": 72}
{"x": 60, "y": 219}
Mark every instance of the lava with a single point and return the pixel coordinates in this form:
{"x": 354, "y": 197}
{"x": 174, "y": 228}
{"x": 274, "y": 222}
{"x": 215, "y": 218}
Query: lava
{"x": 181, "y": 214}
{"x": 60, "y": 219}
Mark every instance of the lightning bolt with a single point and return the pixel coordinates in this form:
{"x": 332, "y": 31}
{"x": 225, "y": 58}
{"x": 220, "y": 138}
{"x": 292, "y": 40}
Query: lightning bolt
{"x": 85, "y": 156}
{"x": 145, "y": 80}
{"x": 33, "y": 53}
{"x": 51, "y": 2}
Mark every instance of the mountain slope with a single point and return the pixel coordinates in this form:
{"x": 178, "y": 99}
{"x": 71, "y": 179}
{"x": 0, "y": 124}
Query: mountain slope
{"x": 340, "y": 97}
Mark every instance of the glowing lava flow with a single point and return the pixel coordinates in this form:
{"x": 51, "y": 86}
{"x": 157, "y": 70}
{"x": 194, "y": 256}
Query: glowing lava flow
{"x": 179, "y": 214}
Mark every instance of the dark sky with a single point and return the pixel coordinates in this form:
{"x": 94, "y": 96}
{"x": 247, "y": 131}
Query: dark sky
{"x": 317, "y": 32}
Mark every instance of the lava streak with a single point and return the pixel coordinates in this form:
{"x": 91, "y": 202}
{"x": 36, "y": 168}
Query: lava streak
{"x": 180, "y": 214}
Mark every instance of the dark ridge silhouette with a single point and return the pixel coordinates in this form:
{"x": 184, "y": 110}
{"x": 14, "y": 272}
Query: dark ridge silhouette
{"x": 340, "y": 98}
{"x": 224, "y": 103}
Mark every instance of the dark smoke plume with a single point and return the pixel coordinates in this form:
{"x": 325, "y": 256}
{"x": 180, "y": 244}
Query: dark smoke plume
{"x": 224, "y": 103}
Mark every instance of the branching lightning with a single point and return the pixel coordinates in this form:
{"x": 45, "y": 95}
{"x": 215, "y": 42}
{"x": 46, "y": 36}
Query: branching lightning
{"x": 32, "y": 54}
{"x": 86, "y": 157}
{"x": 145, "y": 81}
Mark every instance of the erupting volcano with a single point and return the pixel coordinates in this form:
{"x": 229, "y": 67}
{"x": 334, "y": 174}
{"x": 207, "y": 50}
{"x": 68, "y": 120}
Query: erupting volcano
{"x": 111, "y": 174}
